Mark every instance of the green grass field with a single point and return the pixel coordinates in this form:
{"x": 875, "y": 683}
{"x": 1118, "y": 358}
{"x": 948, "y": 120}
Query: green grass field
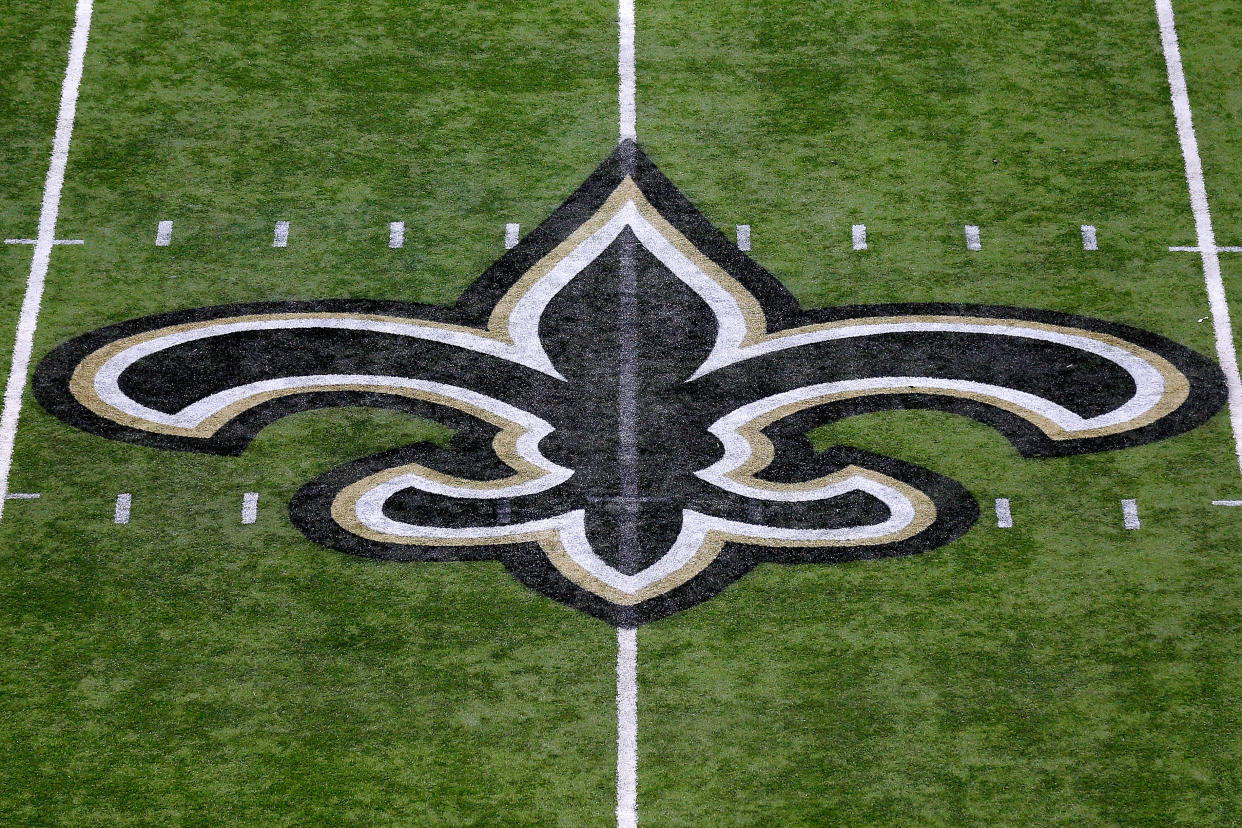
{"x": 185, "y": 669}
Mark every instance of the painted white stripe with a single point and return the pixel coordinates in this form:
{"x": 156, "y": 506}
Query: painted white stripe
{"x": 626, "y": 71}
{"x": 36, "y": 241}
{"x": 250, "y": 507}
{"x": 280, "y": 237}
{"x": 1088, "y": 238}
{"x": 972, "y": 237}
{"x": 1226, "y": 351}
{"x": 396, "y": 234}
{"x": 1193, "y": 249}
{"x": 23, "y": 496}
{"x": 1129, "y": 511}
{"x": 163, "y": 234}
{"x": 743, "y": 237}
{"x": 29, "y": 317}
{"x": 512, "y": 233}
{"x": 1004, "y": 518}
{"x": 859, "y": 233}
{"x": 627, "y": 727}
{"x": 121, "y": 513}
{"x": 1227, "y": 502}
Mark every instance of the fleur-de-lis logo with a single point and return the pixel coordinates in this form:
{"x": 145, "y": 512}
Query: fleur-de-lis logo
{"x": 631, "y": 396}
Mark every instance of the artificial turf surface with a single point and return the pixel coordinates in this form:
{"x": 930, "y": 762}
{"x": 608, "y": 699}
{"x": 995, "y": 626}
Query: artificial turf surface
{"x": 185, "y": 669}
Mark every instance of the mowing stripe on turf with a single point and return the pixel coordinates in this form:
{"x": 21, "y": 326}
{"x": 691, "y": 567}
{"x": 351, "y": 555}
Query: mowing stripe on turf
{"x": 29, "y": 317}
{"x": 1226, "y": 351}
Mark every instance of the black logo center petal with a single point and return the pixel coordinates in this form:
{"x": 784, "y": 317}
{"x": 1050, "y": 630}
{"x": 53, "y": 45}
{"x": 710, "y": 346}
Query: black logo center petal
{"x": 631, "y": 396}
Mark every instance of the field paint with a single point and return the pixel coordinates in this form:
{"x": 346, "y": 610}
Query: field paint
{"x": 36, "y": 241}
{"x": 512, "y": 233}
{"x": 1214, "y": 502}
{"x": 250, "y": 507}
{"x": 396, "y": 234}
{"x": 859, "y": 233}
{"x": 280, "y": 238}
{"x": 743, "y": 237}
{"x": 1226, "y": 351}
{"x": 626, "y": 70}
{"x": 1129, "y": 511}
{"x": 1004, "y": 518}
{"x": 48, "y": 213}
{"x": 121, "y": 513}
{"x": 23, "y": 496}
{"x": 972, "y": 237}
{"x": 163, "y": 234}
{"x": 627, "y": 727}
{"x": 1193, "y": 249}
{"x": 1088, "y": 238}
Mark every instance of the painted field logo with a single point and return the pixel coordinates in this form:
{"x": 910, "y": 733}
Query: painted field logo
{"x": 631, "y": 396}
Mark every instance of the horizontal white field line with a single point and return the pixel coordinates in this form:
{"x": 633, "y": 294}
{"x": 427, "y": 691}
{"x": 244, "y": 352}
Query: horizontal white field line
{"x": 1209, "y": 250}
{"x": 1227, "y": 502}
{"x": 22, "y": 496}
{"x": 32, "y": 241}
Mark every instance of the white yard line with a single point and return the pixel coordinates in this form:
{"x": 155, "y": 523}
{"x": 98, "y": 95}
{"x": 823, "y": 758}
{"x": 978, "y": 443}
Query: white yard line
{"x": 627, "y": 637}
{"x": 1214, "y": 502}
{"x": 1226, "y": 351}
{"x": 163, "y": 234}
{"x": 627, "y": 727}
{"x": 23, "y": 344}
{"x": 513, "y": 232}
{"x": 625, "y": 70}
{"x": 280, "y": 236}
{"x": 1129, "y": 513}
{"x": 396, "y": 234}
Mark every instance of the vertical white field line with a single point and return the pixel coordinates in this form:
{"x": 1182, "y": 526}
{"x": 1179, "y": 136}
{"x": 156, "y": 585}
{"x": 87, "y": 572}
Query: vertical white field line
{"x": 972, "y": 237}
{"x": 120, "y": 514}
{"x": 743, "y": 237}
{"x": 1089, "y": 241}
{"x": 163, "y": 234}
{"x": 396, "y": 234}
{"x": 626, "y": 71}
{"x": 1226, "y": 351}
{"x": 250, "y": 507}
{"x": 1004, "y": 517}
{"x": 1129, "y": 513}
{"x": 859, "y": 234}
{"x": 627, "y": 727}
{"x": 513, "y": 232}
{"x": 28, "y": 319}
{"x": 280, "y": 236}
